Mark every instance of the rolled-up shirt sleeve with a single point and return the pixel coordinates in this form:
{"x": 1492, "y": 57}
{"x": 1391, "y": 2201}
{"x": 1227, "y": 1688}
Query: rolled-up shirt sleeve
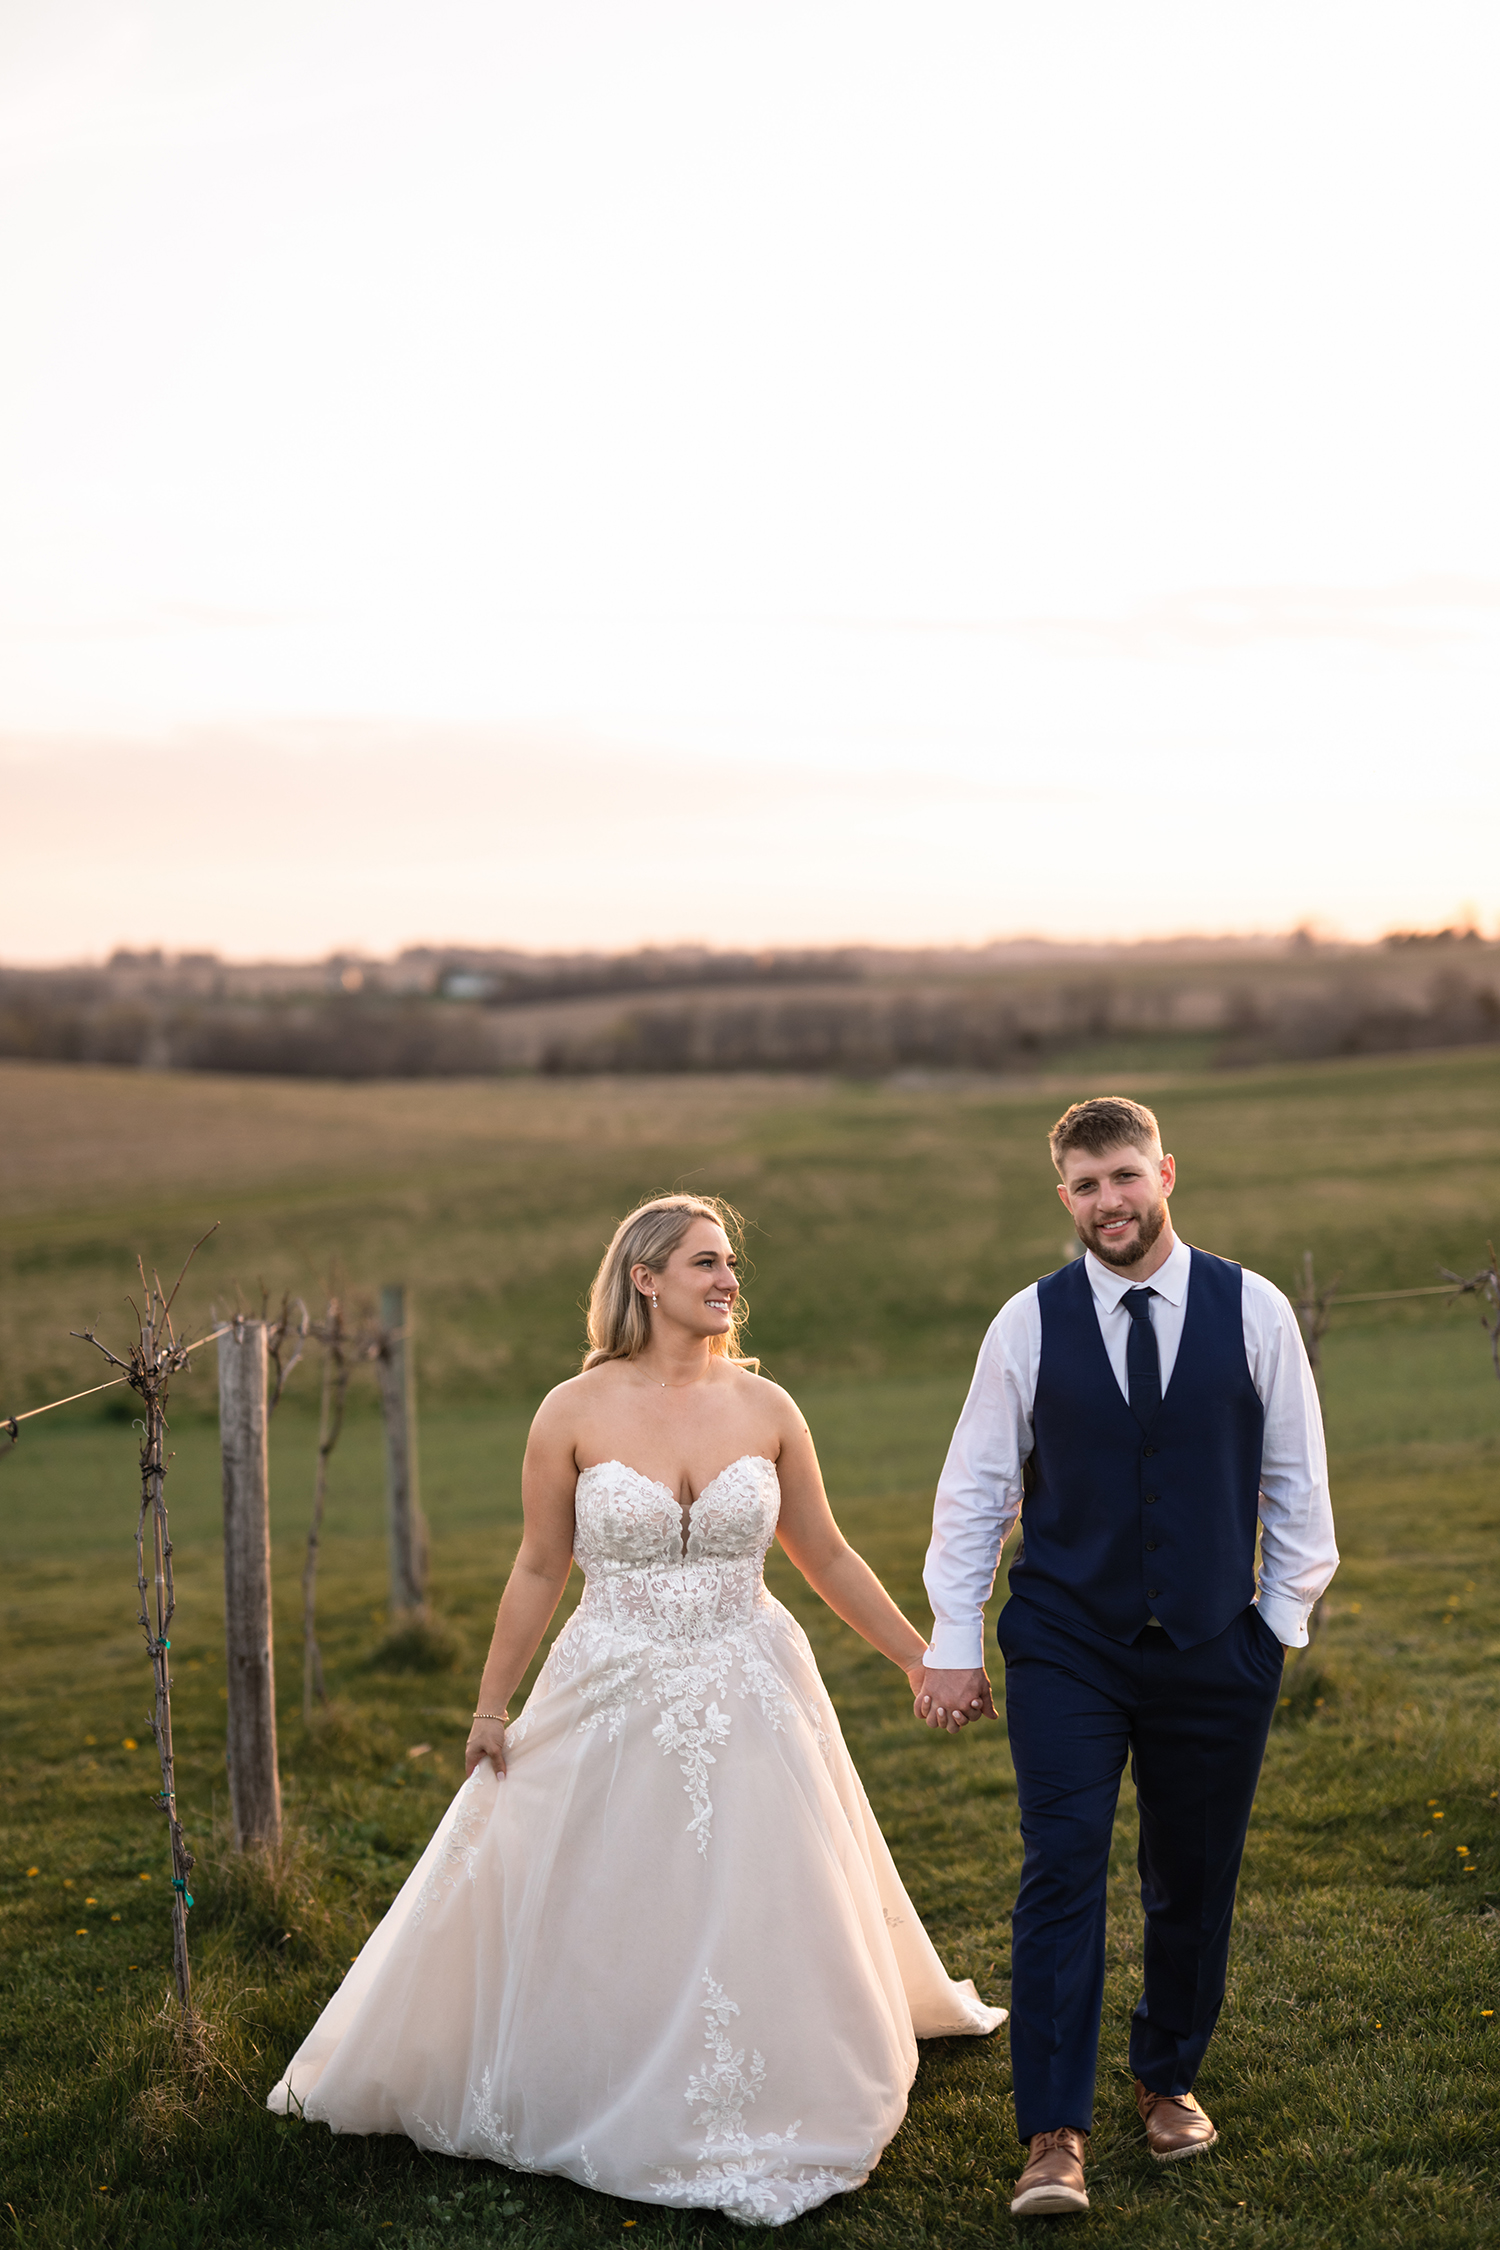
{"x": 979, "y": 1492}
{"x": 1298, "y": 1554}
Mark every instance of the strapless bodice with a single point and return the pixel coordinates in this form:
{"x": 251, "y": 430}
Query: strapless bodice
{"x": 624, "y": 1521}
{"x": 640, "y": 1583}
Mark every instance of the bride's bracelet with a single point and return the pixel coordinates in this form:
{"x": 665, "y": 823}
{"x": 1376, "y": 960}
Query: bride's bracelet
{"x": 501, "y": 1718}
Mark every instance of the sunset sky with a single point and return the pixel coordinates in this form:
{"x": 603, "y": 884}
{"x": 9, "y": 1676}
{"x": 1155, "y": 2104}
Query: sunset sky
{"x": 629, "y": 470}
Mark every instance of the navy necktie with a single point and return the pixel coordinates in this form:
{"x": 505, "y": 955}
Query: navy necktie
{"x": 1142, "y": 1363}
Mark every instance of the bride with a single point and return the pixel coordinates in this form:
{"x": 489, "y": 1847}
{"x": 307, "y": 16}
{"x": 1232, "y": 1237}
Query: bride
{"x": 657, "y": 1943}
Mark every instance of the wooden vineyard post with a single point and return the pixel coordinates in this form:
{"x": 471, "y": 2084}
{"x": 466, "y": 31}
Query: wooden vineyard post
{"x": 154, "y": 1358}
{"x": 398, "y": 1398}
{"x": 254, "y": 1781}
{"x": 1485, "y": 1285}
{"x": 339, "y": 1348}
{"x": 1313, "y": 1309}
{"x": 162, "y": 1599}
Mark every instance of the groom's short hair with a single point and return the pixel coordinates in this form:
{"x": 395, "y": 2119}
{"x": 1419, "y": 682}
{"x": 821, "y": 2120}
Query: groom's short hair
{"x": 1104, "y": 1123}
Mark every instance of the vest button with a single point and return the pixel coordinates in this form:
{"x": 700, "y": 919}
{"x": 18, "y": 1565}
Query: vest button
{"x": 1151, "y": 1546}
{"x": 1148, "y": 1452}
{"x": 1152, "y": 1592}
{"x": 1151, "y": 1499}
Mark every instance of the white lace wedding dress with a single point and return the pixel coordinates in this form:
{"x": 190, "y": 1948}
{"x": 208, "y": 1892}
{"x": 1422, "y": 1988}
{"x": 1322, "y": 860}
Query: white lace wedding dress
{"x": 668, "y": 1955}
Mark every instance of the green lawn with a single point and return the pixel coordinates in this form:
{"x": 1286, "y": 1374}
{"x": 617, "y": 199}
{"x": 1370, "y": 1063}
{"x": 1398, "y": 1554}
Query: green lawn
{"x": 1353, "y": 2078}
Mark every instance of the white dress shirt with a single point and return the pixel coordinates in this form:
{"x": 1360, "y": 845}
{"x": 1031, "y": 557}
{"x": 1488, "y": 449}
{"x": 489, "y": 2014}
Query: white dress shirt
{"x": 979, "y": 1492}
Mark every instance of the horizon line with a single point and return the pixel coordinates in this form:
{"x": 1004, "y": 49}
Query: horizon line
{"x": 1310, "y": 933}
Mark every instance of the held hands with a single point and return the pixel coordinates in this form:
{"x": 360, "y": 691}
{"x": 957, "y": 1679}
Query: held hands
{"x": 486, "y": 1740}
{"x": 949, "y": 1700}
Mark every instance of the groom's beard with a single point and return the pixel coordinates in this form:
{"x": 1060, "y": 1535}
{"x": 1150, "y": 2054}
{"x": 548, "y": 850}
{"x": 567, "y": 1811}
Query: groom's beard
{"x": 1148, "y": 1228}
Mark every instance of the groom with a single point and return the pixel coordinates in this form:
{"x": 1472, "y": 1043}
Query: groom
{"x": 1139, "y": 1410}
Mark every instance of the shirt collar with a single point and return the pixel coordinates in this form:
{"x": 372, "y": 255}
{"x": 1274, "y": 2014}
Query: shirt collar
{"x": 1169, "y": 1280}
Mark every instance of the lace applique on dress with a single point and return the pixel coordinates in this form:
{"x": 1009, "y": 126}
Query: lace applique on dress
{"x": 683, "y": 1730}
{"x": 488, "y": 2128}
{"x": 681, "y": 1629}
{"x": 738, "y": 2174}
{"x": 609, "y": 1694}
{"x": 460, "y": 1847}
{"x": 485, "y": 2128}
{"x": 436, "y": 2136}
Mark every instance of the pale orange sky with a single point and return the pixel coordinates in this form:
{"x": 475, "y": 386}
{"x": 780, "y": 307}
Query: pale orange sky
{"x": 744, "y": 472}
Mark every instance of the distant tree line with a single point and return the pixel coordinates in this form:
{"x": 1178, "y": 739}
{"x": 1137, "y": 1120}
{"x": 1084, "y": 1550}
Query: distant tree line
{"x": 857, "y": 1011}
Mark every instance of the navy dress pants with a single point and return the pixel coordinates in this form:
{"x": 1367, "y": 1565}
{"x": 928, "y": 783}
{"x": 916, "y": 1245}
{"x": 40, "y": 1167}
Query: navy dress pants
{"x": 1193, "y": 1723}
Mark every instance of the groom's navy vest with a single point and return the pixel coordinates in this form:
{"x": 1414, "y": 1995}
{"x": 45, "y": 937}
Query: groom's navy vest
{"x": 1121, "y": 1523}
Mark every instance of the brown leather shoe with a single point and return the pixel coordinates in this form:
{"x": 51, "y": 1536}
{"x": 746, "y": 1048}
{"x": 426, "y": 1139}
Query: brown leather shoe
{"x": 1175, "y": 2125}
{"x": 1053, "y": 2178}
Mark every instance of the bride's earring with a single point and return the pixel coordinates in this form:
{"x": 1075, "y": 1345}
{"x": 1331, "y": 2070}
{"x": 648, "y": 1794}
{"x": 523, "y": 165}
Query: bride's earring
{"x": 653, "y": 1296}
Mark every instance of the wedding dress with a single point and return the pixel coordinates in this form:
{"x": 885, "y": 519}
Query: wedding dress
{"x": 668, "y": 1954}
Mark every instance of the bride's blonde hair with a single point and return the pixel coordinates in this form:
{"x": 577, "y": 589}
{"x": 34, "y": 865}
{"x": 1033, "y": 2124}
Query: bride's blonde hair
{"x": 619, "y": 1320}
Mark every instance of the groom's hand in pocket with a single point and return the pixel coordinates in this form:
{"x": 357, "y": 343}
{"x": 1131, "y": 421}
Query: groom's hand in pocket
{"x": 949, "y": 1700}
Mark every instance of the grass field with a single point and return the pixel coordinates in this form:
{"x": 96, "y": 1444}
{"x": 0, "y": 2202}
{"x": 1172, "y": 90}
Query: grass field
{"x": 1354, "y": 2077}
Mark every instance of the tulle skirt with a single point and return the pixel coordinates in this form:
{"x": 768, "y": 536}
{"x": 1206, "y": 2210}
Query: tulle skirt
{"x": 666, "y": 1955}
